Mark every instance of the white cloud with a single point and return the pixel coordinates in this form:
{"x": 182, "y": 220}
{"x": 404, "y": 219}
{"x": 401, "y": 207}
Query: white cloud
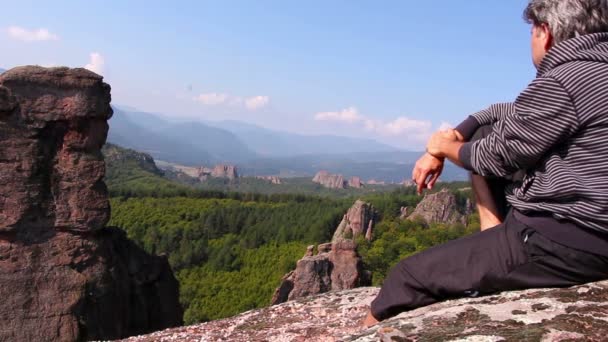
{"x": 41, "y": 34}
{"x": 402, "y": 128}
{"x": 212, "y": 99}
{"x": 217, "y": 99}
{"x": 96, "y": 63}
{"x": 350, "y": 115}
{"x": 256, "y": 102}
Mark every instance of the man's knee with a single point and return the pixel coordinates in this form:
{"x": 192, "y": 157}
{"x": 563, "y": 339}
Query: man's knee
{"x": 482, "y": 132}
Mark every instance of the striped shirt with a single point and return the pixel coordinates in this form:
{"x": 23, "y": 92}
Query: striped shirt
{"x": 557, "y": 131}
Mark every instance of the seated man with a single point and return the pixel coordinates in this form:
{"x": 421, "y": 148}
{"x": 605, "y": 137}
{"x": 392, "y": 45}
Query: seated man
{"x": 555, "y": 136}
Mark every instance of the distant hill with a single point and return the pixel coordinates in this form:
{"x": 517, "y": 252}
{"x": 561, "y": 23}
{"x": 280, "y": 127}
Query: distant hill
{"x": 260, "y": 151}
{"x": 190, "y": 143}
{"x": 271, "y": 143}
{"x": 2, "y": 70}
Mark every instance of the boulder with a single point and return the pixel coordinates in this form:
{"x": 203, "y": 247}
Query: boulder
{"x": 64, "y": 275}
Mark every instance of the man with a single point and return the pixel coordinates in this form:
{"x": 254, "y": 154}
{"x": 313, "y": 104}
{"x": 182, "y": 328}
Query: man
{"x": 555, "y": 136}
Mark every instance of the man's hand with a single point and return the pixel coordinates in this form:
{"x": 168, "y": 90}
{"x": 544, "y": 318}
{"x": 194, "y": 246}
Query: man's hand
{"x": 427, "y": 166}
{"x": 439, "y": 141}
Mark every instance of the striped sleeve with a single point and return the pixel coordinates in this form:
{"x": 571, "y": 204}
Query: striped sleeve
{"x": 488, "y": 116}
{"x": 494, "y": 113}
{"x": 543, "y": 116}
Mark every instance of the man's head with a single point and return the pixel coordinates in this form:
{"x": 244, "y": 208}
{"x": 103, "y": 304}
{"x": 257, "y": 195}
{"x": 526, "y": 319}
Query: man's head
{"x": 555, "y": 21}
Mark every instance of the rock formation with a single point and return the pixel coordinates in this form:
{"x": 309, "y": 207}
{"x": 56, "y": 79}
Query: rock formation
{"x": 272, "y": 179}
{"x": 355, "y": 182}
{"x": 64, "y": 275}
{"x": 441, "y": 207}
{"x": 329, "y": 180}
{"x": 225, "y": 171}
{"x": 358, "y": 220}
{"x": 337, "y": 266}
{"x": 570, "y": 314}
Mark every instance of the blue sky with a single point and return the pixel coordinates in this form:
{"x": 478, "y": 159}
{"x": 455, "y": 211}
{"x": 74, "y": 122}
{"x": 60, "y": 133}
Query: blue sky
{"x": 389, "y": 70}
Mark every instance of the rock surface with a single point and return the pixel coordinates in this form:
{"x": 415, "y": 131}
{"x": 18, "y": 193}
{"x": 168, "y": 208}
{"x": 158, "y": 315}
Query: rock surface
{"x": 358, "y": 220}
{"x": 440, "y": 207}
{"x": 572, "y": 314}
{"x": 64, "y": 275}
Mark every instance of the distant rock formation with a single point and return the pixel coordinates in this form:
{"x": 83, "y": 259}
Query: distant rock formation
{"x": 441, "y": 207}
{"x": 272, "y": 179}
{"x": 375, "y": 182}
{"x": 225, "y": 171}
{"x": 355, "y": 182}
{"x": 329, "y": 180}
{"x": 358, "y": 220}
{"x": 333, "y": 181}
{"x": 337, "y": 265}
{"x": 568, "y": 314}
{"x": 65, "y": 276}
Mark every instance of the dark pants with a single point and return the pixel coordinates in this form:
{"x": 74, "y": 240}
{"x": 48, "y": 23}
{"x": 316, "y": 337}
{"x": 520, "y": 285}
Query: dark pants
{"x": 510, "y": 256}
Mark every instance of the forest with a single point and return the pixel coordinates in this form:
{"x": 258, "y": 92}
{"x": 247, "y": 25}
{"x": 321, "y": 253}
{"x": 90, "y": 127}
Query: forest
{"x": 229, "y": 250}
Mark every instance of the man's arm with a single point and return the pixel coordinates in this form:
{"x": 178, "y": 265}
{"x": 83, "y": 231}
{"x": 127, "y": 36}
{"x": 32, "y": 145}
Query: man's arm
{"x": 544, "y": 116}
{"x": 490, "y": 115}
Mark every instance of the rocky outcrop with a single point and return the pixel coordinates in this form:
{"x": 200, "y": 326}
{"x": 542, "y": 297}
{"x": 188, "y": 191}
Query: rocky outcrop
{"x": 329, "y": 180}
{"x": 64, "y": 275}
{"x": 225, "y": 171}
{"x": 358, "y": 220}
{"x": 571, "y": 314}
{"x": 375, "y": 182}
{"x": 337, "y": 266}
{"x": 441, "y": 207}
{"x": 355, "y": 182}
{"x": 272, "y": 179}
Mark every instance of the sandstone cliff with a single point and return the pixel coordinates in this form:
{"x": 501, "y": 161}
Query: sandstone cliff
{"x": 64, "y": 275}
{"x": 572, "y": 314}
{"x": 440, "y": 207}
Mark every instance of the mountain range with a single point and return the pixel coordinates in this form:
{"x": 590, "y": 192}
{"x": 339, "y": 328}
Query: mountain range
{"x": 260, "y": 151}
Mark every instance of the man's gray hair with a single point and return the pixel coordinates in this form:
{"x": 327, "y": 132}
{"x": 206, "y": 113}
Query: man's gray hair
{"x": 568, "y": 18}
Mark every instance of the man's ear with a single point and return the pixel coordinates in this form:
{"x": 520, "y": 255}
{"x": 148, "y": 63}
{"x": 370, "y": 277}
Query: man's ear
{"x": 547, "y": 37}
